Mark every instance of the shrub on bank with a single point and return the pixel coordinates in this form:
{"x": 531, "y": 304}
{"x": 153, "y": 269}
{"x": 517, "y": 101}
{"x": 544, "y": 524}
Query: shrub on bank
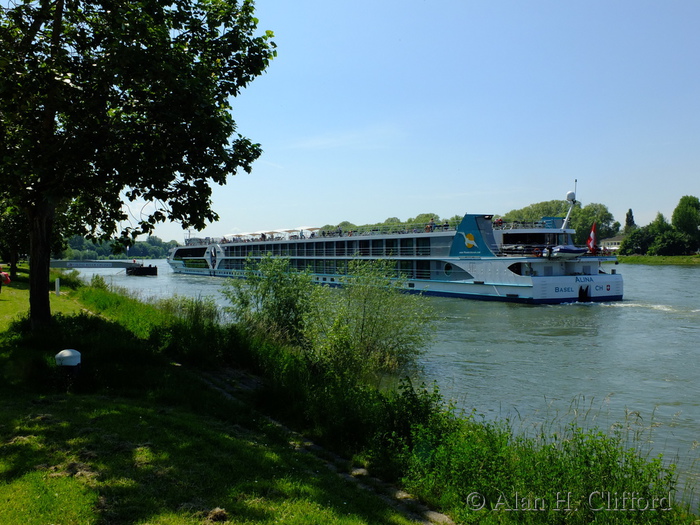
{"x": 476, "y": 471}
{"x": 483, "y": 470}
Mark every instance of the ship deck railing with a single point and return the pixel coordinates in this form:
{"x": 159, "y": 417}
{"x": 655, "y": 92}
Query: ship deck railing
{"x": 499, "y": 224}
{"x": 540, "y": 250}
{"x": 360, "y": 231}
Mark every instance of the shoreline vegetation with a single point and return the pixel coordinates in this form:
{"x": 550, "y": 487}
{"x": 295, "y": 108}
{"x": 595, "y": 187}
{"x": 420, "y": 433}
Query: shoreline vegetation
{"x": 167, "y": 423}
{"x": 658, "y": 260}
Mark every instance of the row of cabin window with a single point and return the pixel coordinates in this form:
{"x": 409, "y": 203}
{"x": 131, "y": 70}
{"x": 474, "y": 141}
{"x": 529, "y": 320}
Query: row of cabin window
{"x": 409, "y": 269}
{"x": 349, "y": 248}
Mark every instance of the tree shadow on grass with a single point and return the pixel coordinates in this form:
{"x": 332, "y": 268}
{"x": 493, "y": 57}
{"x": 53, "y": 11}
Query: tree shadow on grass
{"x": 148, "y": 440}
{"x": 146, "y": 462}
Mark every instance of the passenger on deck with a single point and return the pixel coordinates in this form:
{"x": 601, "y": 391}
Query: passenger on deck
{"x": 431, "y": 225}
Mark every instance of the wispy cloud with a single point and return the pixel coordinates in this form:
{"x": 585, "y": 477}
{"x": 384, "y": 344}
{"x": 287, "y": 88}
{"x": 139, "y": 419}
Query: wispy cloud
{"x": 374, "y": 137}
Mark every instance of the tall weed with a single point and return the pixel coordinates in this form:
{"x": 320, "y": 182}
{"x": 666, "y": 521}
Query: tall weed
{"x": 484, "y": 470}
{"x": 370, "y": 324}
{"x": 68, "y": 278}
{"x": 272, "y": 299}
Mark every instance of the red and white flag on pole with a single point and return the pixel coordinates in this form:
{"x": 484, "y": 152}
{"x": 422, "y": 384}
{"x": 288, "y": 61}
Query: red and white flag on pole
{"x": 591, "y": 242}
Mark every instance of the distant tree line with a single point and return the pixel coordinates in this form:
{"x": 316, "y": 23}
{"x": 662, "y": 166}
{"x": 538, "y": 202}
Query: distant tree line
{"x": 681, "y": 236}
{"x": 419, "y": 222}
{"x": 80, "y": 248}
{"x": 582, "y": 217}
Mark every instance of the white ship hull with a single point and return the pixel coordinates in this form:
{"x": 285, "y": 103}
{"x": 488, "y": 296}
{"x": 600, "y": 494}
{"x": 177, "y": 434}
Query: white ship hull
{"x": 476, "y": 260}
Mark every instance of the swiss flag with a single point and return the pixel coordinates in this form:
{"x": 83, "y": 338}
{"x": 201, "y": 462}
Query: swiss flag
{"x": 592, "y": 240}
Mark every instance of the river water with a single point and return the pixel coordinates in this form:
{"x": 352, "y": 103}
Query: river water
{"x": 636, "y": 361}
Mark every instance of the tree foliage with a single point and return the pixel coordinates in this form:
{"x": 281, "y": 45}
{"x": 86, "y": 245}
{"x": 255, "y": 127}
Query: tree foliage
{"x": 671, "y": 242}
{"x": 686, "y": 219}
{"x": 582, "y": 218}
{"x": 106, "y": 102}
{"x": 394, "y": 224}
{"x": 534, "y": 212}
{"x": 629, "y": 221}
{"x": 13, "y": 241}
{"x": 637, "y": 242}
{"x": 79, "y": 248}
{"x": 658, "y": 238}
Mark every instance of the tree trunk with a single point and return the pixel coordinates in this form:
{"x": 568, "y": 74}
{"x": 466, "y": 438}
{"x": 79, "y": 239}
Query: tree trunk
{"x": 14, "y": 259}
{"x": 40, "y": 231}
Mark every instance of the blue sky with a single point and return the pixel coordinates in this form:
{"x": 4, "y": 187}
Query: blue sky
{"x": 394, "y": 108}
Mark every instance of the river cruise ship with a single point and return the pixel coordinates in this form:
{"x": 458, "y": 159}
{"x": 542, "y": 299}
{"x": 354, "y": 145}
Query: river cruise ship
{"x": 479, "y": 258}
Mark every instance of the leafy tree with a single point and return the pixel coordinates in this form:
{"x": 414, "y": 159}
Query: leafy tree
{"x": 686, "y": 219}
{"x": 347, "y": 226}
{"x": 534, "y": 212}
{"x": 106, "y": 102}
{"x": 423, "y": 219}
{"x": 455, "y": 220}
{"x": 671, "y": 242}
{"x": 640, "y": 240}
{"x": 13, "y": 241}
{"x": 78, "y": 247}
{"x": 582, "y": 220}
{"x": 77, "y": 242}
{"x": 659, "y": 225}
{"x": 143, "y": 250}
{"x": 629, "y": 221}
{"x": 328, "y": 228}
{"x": 637, "y": 242}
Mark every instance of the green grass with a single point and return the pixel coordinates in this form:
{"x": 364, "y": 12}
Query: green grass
{"x": 659, "y": 259}
{"x": 14, "y": 299}
{"x": 92, "y": 459}
{"x": 138, "y": 438}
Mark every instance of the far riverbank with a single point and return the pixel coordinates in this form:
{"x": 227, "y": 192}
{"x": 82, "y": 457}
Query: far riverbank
{"x": 657, "y": 260}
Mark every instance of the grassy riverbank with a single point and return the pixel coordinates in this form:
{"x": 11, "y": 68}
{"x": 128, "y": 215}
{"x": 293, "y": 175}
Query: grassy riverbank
{"x": 656, "y": 260}
{"x": 141, "y": 439}
{"x": 163, "y": 427}
{"x": 14, "y": 300}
